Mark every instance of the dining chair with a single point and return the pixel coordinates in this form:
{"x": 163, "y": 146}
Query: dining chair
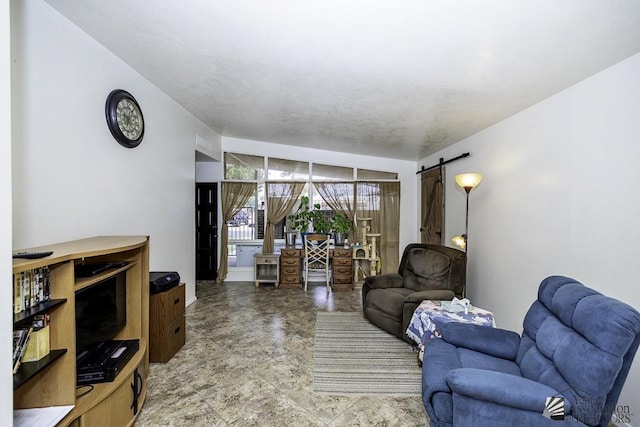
{"x": 316, "y": 257}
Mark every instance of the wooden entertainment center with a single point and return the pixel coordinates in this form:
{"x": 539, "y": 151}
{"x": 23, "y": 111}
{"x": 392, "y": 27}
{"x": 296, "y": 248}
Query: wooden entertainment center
{"x": 51, "y": 382}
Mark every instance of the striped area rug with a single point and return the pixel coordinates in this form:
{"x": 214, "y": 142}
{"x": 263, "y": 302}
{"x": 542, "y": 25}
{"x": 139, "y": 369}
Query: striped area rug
{"x": 353, "y": 357}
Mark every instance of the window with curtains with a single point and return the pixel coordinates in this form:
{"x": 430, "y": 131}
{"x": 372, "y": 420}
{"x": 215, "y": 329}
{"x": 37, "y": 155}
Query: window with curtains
{"x": 245, "y": 225}
{"x": 350, "y": 191}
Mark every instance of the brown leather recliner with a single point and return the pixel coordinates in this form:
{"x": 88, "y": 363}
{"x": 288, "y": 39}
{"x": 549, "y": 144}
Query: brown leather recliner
{"x": 426, "y": 272}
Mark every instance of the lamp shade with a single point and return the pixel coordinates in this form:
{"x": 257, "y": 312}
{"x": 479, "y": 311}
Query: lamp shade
{"x": 460, "y": 241}
{"x": 468, "y": 180}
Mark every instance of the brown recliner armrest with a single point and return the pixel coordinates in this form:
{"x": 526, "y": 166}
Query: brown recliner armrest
{"x": 390, "y": 280}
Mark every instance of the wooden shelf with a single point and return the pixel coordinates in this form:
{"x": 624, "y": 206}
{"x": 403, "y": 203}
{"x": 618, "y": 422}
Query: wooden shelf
{"x": 83, "y": 282}
{"x": 43, "y": 307}
{"x": 100, "y": 391}
{"x": 28, "y": 370}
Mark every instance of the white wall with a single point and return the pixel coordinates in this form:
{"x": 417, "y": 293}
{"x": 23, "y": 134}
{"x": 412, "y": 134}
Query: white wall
{"x": 208, "y": 142}
{"x": 71, "y": 179}
{"x": 6, "y": 326}
{"x": 558, "y": 197}
{"x": 211, "y": 172}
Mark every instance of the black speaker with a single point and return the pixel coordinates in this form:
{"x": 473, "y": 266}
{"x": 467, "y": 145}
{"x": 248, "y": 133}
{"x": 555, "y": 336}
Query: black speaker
{"x": 160, "y": 281}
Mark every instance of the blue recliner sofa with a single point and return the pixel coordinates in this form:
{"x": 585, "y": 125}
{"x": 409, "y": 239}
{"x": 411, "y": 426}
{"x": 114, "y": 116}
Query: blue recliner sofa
{"x": 567, "y": 368}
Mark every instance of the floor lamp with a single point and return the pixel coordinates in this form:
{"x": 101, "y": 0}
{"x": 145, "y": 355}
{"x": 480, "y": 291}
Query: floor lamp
{"x": 468, "y": 181}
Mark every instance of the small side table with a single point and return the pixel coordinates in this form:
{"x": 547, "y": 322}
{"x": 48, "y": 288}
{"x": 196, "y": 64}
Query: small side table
{"x": 428, "y": 318}
{"x": 266, "y": 269}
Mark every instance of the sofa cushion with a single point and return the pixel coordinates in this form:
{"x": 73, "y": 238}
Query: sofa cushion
{"x": 426, "y": 270}
{"x": 440, "y": 358}
{"x": 475, "y": 359}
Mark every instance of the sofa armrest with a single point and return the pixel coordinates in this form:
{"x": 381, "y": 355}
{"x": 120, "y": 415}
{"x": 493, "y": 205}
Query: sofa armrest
{"x": 492, "y": 341}
{"x": 435, "y": 294}
{"x": 389, "y": 280}
{"x": 502, "y": 389}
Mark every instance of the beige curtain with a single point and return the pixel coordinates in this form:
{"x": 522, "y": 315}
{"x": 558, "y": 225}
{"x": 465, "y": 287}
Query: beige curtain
{"x": 234, "y": 196}
{"x": 281, "y": 197}
{"x": 380, "y": 201}
{"x": 341, "y": 197}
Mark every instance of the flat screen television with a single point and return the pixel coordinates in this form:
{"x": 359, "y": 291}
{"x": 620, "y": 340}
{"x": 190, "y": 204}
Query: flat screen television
{"x": 101, "y": 312}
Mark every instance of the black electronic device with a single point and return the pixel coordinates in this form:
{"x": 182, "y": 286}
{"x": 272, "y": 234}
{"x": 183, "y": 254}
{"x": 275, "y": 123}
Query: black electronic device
{"x": 103, "y": 362}
{"x": 160, "y": 281}
{"x": 32, "y": 254}
{"x": 91, "y": 269}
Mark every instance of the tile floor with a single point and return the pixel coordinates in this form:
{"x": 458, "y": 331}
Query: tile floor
{"x": 248, "y": 361}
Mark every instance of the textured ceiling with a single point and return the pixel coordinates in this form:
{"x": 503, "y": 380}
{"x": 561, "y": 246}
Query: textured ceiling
{"x": 399, "y": 79}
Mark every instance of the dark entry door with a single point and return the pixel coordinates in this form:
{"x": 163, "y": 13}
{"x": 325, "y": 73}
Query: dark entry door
{"x": 206, "y": 231}
{"x": 432, "y": 215}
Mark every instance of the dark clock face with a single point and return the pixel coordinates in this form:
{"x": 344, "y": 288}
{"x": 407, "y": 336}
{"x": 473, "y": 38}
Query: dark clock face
{"x": 124, "y": 118}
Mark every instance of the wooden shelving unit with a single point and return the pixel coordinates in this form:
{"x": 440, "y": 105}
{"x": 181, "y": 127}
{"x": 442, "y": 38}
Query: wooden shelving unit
{"x": 51, "y": 381}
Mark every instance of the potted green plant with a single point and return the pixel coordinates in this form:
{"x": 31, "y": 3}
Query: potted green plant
{"x": 342, "y": 226}
{"x": 321, "y": 223}
{"x": 302, "y": 217}
{"x": 306, "y": 214}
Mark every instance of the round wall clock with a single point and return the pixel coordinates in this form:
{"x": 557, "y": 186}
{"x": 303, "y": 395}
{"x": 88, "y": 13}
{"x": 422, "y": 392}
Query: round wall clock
{"x": 124, "y": 118}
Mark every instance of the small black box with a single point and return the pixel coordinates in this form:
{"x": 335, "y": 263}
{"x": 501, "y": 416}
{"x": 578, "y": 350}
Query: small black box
{"x": 160, "y": 281}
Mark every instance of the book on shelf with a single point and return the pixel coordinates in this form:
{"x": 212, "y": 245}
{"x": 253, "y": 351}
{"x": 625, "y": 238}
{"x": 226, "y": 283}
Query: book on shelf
{"x": 30, "y": 288}
{"x": 40, "y": 320}
{"x": 17, "y": 337}
{"x": 17, "y": 293}
{"x": 20, "y": 341}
